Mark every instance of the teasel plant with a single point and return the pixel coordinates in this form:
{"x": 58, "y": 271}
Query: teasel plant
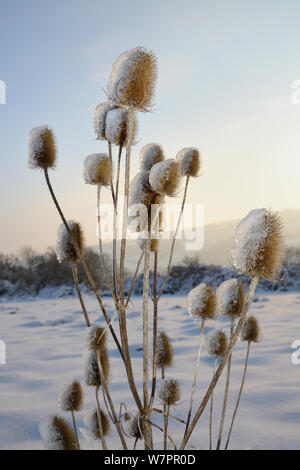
{"x": 92, "y": 421}
{"x": 169, "y": 395}
{"x": 58, "y": 435}
{"x": 258, "y": 252}
{"x": 201, "y": 306}
{"x": 216, "y": 344}
{"x": 230, "y": 300}
{"x": 251, "y": 333}
{"x": 71, "y": 400}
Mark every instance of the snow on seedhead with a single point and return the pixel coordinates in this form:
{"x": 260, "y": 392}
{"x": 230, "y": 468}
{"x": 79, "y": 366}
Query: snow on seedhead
{"x": 99, "y": 120}
{"x": 216, "y": 343}
{"x": 164, "y": 177}
{"x": 154, "y": 243}
{"x": 165, "y": 353}
{"x": 150, "y": 154}
{"x": 140, "y": 199}
{"x": 231, "y": 298}
{"x": 97, "y": 169}
{"x": 202, "y": 302}
{"x": 95, "y": 338}
{"x": 258, "y": 245}
{"x": 116, "y": 126}
{"x": 251, "y": 331}
{"x": 91, "y": 369}
{"x": 41, "y": 148}
{"x": 71, "y": 397}
{"x": 91, "y": 421}
{"x": 133, "y": 427}
{"x": 65, "y": 251}
{"x": 169, "y": 392}
{"x": 132, "y": 79}
{"x": 57, "y": 434}
{"x": 188, "y": 160}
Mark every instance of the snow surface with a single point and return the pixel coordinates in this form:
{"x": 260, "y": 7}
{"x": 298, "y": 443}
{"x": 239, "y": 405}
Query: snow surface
{"x": 45, "y": 343}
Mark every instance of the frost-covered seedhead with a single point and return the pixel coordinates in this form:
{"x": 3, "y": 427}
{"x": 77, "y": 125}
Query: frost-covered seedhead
{"x": 165, "y": 353}
{"x": 91, "y": 369}
{"x": 202, "y": 302}
{"x": 141, "y": 196}
{"x": 258, "y": 245}
{"x": 58, "y": 435}
{"x": 99, "y": 120}
{"x": 97, "y": 169}
{"x": 41, "y": 148}
{"x": 154, "y": 243}
{"x": 133, "y": 427}
{"x": 71, "y": 397}
{"x": 251, "y": 331}
{"x": 116, "y": 126}
{"x": 132, "y": 79}
{"x": 169, "y": 392}
{"x": 231, "y": 298}
{"x": 216, "y": 343}
{"x": 65, "y": 250}
{"x": 150, "y": 154}
{"x": 95, "y": 338}
{"x": 164, "y": 177}
{"x": 91, "y": 421}
{"x": 188, "y": 160}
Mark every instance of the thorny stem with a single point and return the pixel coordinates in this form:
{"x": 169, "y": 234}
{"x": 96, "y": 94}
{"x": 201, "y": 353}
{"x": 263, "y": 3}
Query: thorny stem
{"x": 226, "y": 390}
{"x": 100, "y": 424}
{"x": 211, "y": 410}
{"x": 239, "y": 396}
{"x": 195, "y": 375}
{"x": 75, "y": 430}
{"x": 115, "y": 273}
{"x": 166, "y": 427}
{"x": 155, "y": 311}
{"x": 76, "y": 282}
{"x": 222, "y": 364}
{"x": 83, "y": 262}
{"x": 174, "y": 238}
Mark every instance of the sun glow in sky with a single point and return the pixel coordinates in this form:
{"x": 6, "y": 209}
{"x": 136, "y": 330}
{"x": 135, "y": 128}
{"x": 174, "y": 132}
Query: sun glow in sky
{"x": 225, "y": 72}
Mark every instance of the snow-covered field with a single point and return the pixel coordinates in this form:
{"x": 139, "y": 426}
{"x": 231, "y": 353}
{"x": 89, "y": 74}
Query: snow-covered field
{"x": 45, "y": 342}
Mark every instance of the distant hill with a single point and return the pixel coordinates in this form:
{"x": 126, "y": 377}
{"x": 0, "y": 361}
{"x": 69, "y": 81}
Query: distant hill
{"x": 217, "y": 243}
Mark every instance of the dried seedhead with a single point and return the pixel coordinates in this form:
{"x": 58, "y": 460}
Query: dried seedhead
{"x": 258, "y": 245}
{"x": 100, "y": 113}
{"x": 251, "y": 331}
{"x": 202, "y": 302}
{"x": 96, "y": 338}
{"x": 165, "y": 178}
{"x": 91, "y": 368}
{"x": 231, "y": 298}
{"x": 97, "y": 169}
{"x": 133, "y": 427}
{"x": 165, "y": 353}
{"x": 150, "y": 154}
{"x": 65, "y": 250}
{"x": 188, "y": 160}
{"x": 116, "y": 127}
{"x": 72, "y": 397}
{"x": 41, "y": 148}
{"x": 59, "y": 435}
{"x": 93, "y": 424}
{"x": 132, "y": 79}
{"x": 217, "y": 343}
{"x": 169, "y": 392}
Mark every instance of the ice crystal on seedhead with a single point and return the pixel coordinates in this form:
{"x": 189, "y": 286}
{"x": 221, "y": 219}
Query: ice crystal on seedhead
{"x": 71, "y": 396}
{"x": 95, "y": 337}
{"x": 116, "y": 126}
{"x": 57, "y": 434}
{"x": 197, "y": 301}
{"x": 100, "y": 113}
{"x": 250, "y": 237}
{"x": 188, "y": 160}
{"x": 140, "y": 189}
{"x": 168, "y": 391}
{"x": 228, "y": 295}
{"x": 35, "y": 144}
{"x": 65, "y": 250}
{"x": 133, "y": 426}
{"x": 164, "y": 177}
{"x": 97, "y": 169}
{"x": 91, "y": 369}
{"x": 216, "y": 343}
{"x": 150, "y": 154}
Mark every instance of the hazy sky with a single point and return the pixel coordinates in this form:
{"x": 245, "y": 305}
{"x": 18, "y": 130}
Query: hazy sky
{"x": 225, "y": 74}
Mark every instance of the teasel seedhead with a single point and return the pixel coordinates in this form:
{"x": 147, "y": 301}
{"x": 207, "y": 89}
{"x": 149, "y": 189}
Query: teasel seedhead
{"x": 71, "y": 397}
{"x": 91, "y": 421}
{"x": 231, "y": 298}
{"x": 165, "y": 178}
{"x": 188, "y": 160}
{"x": 91, "y": 369}
{"x": 116, "y": 126}
{"x": 169, "y": 392}
{"x": 99, "y": 121}
{"x": 150, "y": 154}
{"x": 202, "y": 302}
{"x": 41, "y": 148}
{"x": 216, "y": 343}
{"x": 97, "y": 169}
{"x": 59, "y": 435}
{"x": 165, "y": 353}
{"x": 251, "y": 331}
{"x": 96, "y": 338}
{"x": 132, "y": 79}
{"x": 65, "y": 250}
{"x": 140, "y": 198}
{"x": 258, "y": 245}
{"x": 133, "y": 427}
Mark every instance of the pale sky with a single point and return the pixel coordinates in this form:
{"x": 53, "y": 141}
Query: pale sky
{"x": 225, "y": 72}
